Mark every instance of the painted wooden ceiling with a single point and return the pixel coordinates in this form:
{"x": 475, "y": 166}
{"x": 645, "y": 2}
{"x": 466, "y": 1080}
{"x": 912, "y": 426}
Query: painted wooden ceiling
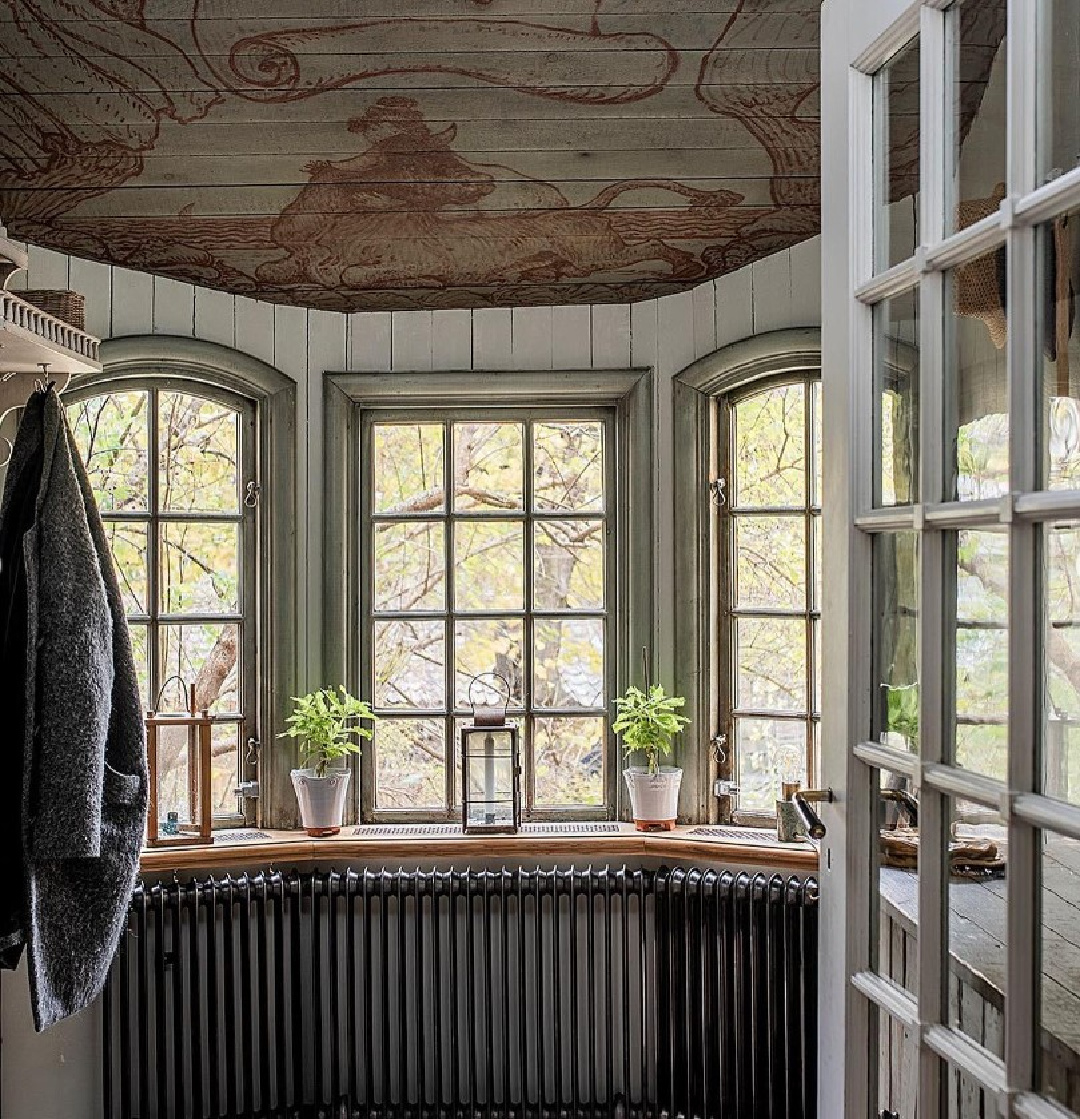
{"x": 387, "y": 154}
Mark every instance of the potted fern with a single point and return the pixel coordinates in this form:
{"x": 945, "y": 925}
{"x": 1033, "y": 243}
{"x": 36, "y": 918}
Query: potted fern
{"x": 327, "y": 724}
{"x": 647, "y": 721}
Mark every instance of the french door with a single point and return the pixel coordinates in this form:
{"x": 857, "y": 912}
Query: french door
{"x": 951, "y": 678}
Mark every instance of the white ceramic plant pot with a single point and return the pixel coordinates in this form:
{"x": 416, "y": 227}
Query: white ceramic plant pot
{"x": 322, "y": 799}
{"x": 654, "y": 797}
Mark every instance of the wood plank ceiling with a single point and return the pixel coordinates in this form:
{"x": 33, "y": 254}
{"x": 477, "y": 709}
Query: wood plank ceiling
{"x": 388, "y": 154}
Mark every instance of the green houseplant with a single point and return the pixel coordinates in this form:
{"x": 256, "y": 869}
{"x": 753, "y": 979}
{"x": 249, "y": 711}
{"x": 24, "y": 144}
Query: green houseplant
{"x": 328, "y": 727}
{"x": 648, "y": 721}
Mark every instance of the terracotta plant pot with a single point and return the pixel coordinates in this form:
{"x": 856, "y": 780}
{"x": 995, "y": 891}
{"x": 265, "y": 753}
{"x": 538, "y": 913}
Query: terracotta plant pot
{"x": 654, "y": 797}
{"x": 322, "y": 799}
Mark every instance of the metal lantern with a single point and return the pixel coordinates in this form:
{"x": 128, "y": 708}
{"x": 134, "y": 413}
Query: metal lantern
{"x": 181, "y": 815}
{"x": 490, "y": 769}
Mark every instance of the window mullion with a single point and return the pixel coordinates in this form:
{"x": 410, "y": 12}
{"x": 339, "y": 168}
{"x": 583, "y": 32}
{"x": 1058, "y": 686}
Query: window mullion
{"x": 153, "y": 634}
{"x": 449, "y": 646}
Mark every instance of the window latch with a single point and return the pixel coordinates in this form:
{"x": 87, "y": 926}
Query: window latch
{"x": 252, "y": 493}
{"x": 249, "y": 790}
{"x": 718, "y": 492}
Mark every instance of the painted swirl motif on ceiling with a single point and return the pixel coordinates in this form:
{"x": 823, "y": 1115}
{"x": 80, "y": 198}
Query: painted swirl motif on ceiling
{"x": 437, "y": 153}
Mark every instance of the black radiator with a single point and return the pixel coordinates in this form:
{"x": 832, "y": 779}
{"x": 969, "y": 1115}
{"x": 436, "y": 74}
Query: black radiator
{"x": 475, "y": 993}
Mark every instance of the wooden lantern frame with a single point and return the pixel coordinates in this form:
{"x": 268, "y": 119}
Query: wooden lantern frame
{"x": 199, "y": 755}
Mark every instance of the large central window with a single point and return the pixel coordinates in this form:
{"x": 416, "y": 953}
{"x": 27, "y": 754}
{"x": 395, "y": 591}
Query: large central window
{"x": 490, "y": 543}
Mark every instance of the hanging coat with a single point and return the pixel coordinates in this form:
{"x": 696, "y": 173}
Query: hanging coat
{"x": 77, "y": 768}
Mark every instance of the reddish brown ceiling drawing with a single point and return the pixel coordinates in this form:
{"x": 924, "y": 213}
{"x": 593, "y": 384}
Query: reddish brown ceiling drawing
{"x": 412, "y": 153}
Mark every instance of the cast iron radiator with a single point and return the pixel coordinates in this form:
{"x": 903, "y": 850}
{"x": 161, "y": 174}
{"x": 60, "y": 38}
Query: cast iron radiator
{"x": 476, "y": 993}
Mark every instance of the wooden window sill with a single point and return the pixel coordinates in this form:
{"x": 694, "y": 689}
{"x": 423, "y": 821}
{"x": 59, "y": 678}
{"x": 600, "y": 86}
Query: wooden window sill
{"x": 289, "y": 847}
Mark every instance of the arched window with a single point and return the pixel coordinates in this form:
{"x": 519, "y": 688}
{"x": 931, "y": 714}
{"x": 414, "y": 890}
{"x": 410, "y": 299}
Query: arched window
{"x": 748, "y": 551}
{"x": 176, "y": 438}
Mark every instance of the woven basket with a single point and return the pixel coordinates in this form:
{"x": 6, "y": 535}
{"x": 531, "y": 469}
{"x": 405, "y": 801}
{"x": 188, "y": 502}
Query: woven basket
{"x": 67, "y": 305}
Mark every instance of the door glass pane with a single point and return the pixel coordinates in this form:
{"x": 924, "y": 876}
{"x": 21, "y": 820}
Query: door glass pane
{"x": 979, "y": 86}
{"x": 1059, "y": 122}
{"x": 409, "y": 763}
{"x": 769, "y": 441}
{"x": 407, "y": 472}
{"x": 198, "y": 455}
{"x": 568, "y": 766}
{"x": 770, "y": 562}
{"x": 896, "y": 129}
{"x": 982, "y": 651}
{"x": 896, "y": 621}
{"x": 1059, "y": 1066}
{"x": 963, "y": 1096}
{"x": 976, "y": 915}
{"x": 770, "y": 751}
{"x": 895, "y": 1048}
{"x": 895, "y": 951}
{"x": 976, "y": 378}
{"x": 1058, "y": 265}
{"x": 1061, "y": 661}
{"x": 896, "y": 394}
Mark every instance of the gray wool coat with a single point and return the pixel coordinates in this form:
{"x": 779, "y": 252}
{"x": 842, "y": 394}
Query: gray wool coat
{"x": 84, "y": 779}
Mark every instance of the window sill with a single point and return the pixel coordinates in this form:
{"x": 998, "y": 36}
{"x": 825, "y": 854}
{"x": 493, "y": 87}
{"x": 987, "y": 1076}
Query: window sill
{"x": 288, "y": 847}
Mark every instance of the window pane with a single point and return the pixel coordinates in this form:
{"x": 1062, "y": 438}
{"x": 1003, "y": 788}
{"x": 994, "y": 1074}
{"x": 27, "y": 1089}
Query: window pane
{"x": 978, "y": 843}
{"x": 770, "y": 751}
{"x": 897, "y": 133}
{"x": 771, "y": 664}
{"x": 1061, "y": 662}
{"x": 1060, "y": 1002}
{"x": 817, "y": 489}
{"x": 408, "y": 468}
{"x": 769, "y": 441}
{"x": 410, "y": 658}
{"x": 978, "y": 110}
{"x": 568, "y": 565}
{"x": 200, "y": 568}
{"x": 127, "y": 542}
{"x": 488, "y": 466}
{"x": 1058, "y": 245}
{"x": 140, "y": 650}
{"x": 816, "y": 532}
{"x": 770, "y": 562}
{"x": 896, "y": 391}
{"x": 1059, "y": 123}
{"x": 199, "y": 455}
{"x": 207, "y": 656}
{"x": 488, "y": 645}
{"x": 982, "y": 651}
{"x": 568, "y": 466}
{"x": 410, "y": 763}
{"x": 568, "y": 765}
{"x": 224, "y": 767}
{"x": 489, "y": 565}
{"x": 568, "y": 662}
{"x": 112, "y": 434}
{"x": 896, "y": 639}
{"x": 410, "y": 566}
{"x": 976, "y": 378}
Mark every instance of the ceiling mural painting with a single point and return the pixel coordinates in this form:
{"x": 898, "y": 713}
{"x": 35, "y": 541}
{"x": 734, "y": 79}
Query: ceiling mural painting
{"x": 435, "y": 153}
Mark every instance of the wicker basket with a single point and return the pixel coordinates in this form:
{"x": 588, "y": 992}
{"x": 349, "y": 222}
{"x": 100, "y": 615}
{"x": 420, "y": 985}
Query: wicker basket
{"x": 67, "y": 305}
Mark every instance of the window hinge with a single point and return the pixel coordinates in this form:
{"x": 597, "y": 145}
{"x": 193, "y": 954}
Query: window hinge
{"x": 252, "y": 493}
{"x": 718, "y": 492}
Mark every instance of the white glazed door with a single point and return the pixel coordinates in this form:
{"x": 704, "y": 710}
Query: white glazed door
{"x": 951, "y": 275}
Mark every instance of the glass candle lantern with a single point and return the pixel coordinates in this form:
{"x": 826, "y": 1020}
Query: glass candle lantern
{"x": 178, "y": 753}
{"x": 490, "y": 771}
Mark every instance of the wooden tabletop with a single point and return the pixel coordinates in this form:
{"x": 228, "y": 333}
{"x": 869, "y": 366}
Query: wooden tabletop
{"x": 359, "y": 845}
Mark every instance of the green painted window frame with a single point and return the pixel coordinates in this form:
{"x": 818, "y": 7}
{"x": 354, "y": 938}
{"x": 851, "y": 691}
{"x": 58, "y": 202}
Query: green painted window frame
{"x": 703, "y": 665}
{"x": 351, "y": 400}
{"x": 267, "y": 401}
